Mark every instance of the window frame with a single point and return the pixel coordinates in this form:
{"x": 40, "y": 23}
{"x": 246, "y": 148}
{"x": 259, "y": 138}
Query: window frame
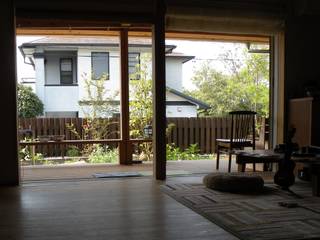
{"x": 108, "y": 66}
{"x": 72, "y": 72}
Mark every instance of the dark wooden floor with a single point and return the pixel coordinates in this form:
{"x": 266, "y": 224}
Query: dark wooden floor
{"x": 99, "y": 209}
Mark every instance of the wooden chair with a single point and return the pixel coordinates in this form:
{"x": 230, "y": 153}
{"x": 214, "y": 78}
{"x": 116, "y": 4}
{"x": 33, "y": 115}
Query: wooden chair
{"x": 242, "y": 127}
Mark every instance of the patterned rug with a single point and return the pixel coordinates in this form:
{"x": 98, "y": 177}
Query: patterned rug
{"x": 255, "y": 216}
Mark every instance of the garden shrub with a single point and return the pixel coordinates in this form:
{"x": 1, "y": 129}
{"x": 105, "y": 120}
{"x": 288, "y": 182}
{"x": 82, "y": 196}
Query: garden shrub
{"x": 29, "y": 105}
{"x": 191, "y": 153}
{"x": 101, "y": 154}
{"x": 73, "y": 151}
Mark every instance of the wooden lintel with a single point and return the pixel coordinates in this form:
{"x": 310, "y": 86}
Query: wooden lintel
{"x": 142, "y": 31}
{"x": 58, "y": 19}
{"x": 221, "y": 37}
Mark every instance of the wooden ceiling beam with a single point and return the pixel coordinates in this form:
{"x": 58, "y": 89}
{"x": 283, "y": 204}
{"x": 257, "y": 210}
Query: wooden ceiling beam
{"x": 217, "y": 37}
{"x": 143, "y": 32}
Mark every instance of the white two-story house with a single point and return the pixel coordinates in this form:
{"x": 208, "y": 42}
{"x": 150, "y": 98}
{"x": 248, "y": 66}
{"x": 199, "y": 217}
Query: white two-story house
{"x": 61, "y": 62}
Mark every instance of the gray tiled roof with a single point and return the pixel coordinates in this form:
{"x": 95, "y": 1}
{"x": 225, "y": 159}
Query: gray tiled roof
{"x": 200, "y": 104}
{"x": 89, "y": 41}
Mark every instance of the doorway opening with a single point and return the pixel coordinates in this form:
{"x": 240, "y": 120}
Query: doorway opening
{"x": 193, "y": 120}
{"x": 74, "y": 104}
{"x": 221, "y": 73}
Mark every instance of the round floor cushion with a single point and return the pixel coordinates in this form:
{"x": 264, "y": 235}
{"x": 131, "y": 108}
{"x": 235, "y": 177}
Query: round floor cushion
{"x": 233, "y": 183}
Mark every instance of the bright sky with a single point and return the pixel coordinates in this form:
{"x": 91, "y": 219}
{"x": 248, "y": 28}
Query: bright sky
{"x": 201, "y": 50}
{"x": 24, "y": 70}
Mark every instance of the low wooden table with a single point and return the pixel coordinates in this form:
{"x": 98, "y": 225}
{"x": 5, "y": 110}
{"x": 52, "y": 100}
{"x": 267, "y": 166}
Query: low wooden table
{"x": 269, "y": 156}
{"x": 313, "y": 163}
{"x": 256, "y": 156}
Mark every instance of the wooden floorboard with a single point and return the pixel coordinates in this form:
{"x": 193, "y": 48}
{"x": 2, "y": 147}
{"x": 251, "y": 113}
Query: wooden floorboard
{"x": 132, "y": 208}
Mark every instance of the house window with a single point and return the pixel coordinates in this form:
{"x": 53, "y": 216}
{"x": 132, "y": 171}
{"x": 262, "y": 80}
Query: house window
{"x": 100, "y": 65}
{"x": 134, "y": 65}
{"x": 66, "y": 74}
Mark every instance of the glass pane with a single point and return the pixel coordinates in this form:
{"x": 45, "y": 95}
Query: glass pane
{"x": 66, "y": 78}
{"x": 134, "y": 65}
{"x": 140, "y": 88}
{"x": 66, "y": 65}
{"x": 100, "y": 65}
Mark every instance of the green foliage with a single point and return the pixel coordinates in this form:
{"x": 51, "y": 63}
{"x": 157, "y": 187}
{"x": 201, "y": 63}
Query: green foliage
{"x": 245, "y": 87}
{"x": 98, "y": 103}
{"x": 173, "y": 153}
{"x": 141, "y": 97}
{"x": 141, "y": 103}
{"x": 144, "y": 151}
{"x": 191, "y": 153}
{"x": 102, "y": 154}
{"x": 38, "y": 157}
{"x": 29, "y": 105}
{"x": 98, "y": 106}
{"x": 24, "y": 154}
{"x": 27, "y": 155}
{"x": 73, "y": 151}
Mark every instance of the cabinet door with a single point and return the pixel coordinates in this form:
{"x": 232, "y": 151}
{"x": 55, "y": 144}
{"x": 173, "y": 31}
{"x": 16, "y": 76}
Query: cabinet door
{"x": 301, "y": 119}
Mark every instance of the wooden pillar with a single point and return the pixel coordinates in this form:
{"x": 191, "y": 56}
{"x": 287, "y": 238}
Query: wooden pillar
{"x": 125, "y": 153}
{"x": 159, "y": 91}
{"x": 9, "y": 170}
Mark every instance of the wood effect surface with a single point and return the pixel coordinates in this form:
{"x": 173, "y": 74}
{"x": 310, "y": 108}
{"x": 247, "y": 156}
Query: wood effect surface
{"x": 159, "y": 91}
{"x": 125, "y": 156}
{"x": 123, "y": 209}
{"x": 9, "y": 170}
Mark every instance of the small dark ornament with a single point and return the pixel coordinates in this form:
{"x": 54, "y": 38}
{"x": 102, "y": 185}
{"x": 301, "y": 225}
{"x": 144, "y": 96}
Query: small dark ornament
{"x": 312, "y": 91}
{"x": 284, "y": 177}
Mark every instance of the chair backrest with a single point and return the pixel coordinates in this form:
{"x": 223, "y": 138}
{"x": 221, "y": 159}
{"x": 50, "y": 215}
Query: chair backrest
{"x": 242, "y": 126}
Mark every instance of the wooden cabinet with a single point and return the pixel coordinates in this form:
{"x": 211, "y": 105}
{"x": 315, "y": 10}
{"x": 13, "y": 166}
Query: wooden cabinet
{"x": 305, "y": 117}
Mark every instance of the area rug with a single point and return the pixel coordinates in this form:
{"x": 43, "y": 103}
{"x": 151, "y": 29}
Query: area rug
{"x": 255, "y": 216}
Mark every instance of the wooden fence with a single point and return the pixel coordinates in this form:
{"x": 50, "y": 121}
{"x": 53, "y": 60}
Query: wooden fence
{"x": 59, "y": 126}
{"x": 186, "y": 131}
{"x": 202, "y": 131}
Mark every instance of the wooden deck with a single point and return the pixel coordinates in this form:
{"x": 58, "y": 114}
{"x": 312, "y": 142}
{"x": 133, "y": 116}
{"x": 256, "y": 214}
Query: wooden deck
{"x": 86, "y": 171}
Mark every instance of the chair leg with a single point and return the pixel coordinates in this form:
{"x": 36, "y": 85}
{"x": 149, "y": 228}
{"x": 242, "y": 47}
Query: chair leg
{"x": 243, "y": 167}
{"x": 230, "y": 157}
{"x": 254, "y": 167}
{"x": 218, "y": 156}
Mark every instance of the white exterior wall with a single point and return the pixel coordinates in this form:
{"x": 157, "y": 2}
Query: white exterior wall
{"x": 52, "y": 66}
{"x": 84, "y": 67}
{"x": 54, "y": 98}
{"x": 172, "y": 97}
{"x": 61, "y": 98}
{"x": 174, "y": 73}
{"x": 40, "y": 78}
{"x": 84, "y": 71}
{"x": 65, "y": 98}
{"x": 112, "y": 85}
{"x": 181, "y": 111}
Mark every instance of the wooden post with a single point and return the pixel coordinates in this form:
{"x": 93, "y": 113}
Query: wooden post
{"x": 9, "y": 170}
{"x": 125, "y": 154}
{"x": 159, "y": 91}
